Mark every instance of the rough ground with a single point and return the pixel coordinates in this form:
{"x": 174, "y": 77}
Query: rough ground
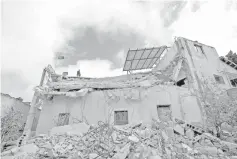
{"x": 159, "y": 140}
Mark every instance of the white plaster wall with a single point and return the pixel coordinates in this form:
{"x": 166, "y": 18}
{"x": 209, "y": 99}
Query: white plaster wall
{"x": 7, "y": 102}
{"x": 98, "y": 107}
{"x": 208, "y": 63}
{"x": 205, "y": 64}
{"x": 191, "y": 109}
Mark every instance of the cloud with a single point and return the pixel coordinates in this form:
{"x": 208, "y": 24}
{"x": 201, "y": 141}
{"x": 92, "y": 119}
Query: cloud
{"x": 28, "y": 35}
{"x": 121, "y": 57}
{"x": 115, "y": 26}
{"x": 92, "y": 68}
{"x": 111, "y": 27}
{"x": 94, "y": 44}
{"x": 14, "y": 83}
{"x": 212, "y": 24}
{"x": 34, "y": 32}
{"x": 171, "y": 11}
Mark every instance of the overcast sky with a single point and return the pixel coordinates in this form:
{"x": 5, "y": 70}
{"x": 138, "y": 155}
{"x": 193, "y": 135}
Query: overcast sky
{"x": 95, "y": 35}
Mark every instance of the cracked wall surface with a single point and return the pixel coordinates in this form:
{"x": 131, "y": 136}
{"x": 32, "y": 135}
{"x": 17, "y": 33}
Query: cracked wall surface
{"x": 140, "y": 103}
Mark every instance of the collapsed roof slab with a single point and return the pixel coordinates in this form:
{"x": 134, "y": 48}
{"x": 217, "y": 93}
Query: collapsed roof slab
{"x": 145, "y": 81}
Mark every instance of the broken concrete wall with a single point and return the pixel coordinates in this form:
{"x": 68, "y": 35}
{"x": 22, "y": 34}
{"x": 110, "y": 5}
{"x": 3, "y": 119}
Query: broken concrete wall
{"x": 190, "y": 108}
{"x": 207, "y": 62}
{"x": 168, "y": 57}
{"x": 7, "y": 102}
{"x": 205, "y": 59}
{"x": 141, "y": 104}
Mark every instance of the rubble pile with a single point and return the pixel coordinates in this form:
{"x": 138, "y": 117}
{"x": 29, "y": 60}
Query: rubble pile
{"x": 159, "y": 140}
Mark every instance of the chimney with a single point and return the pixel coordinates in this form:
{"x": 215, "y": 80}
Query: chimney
{"x": 78, "y": 73}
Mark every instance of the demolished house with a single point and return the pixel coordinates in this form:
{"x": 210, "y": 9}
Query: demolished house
{"x": 153, "y": 114}
{"x": 169, "y": 89}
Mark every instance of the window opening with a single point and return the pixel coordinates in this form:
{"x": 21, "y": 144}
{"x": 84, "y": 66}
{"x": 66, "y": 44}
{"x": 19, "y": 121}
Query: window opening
{"x": 121, "y": 117}
{"x": 164, "y": 112}
{"x": 63, "y": 119}
{"x": 234, "y": 82}
{"x": 219, "y": 79}
{"x": 181, "y": 82}
{"x": 199, "y": 48}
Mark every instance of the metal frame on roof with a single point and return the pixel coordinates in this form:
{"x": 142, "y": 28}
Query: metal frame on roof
{"x": 142, "y": 58}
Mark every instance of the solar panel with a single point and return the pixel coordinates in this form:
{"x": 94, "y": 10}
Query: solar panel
{"x": 142, "y": 58}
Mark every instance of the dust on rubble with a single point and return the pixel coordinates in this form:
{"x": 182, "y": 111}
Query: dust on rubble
{"x": 159, "y": 140}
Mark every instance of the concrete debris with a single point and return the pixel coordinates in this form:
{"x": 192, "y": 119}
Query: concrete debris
{"x": 155, "y": 141}
{"x": 30, "y": 148}
{"x": 78, "y": 129}
{"x": 226, "y": 127}
{"x": 133, "y": 138}
{"x": 179, "y": 129}
{"x": 145, "y": 83}
{"x": 190, "y": 133}
{"x": 80, "y": 93}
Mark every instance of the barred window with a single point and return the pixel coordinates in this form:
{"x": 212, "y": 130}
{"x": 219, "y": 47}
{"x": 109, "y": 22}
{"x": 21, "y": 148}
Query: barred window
{"x": 63, "y": 119}
{"x": 234, "y": 82}
{"x": 164, "y": 112}
{"x": 121, "y": 117}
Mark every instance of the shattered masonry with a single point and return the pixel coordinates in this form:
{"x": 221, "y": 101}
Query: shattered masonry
{"x": 161, "y": 140}
{"x": 161, "y": 110}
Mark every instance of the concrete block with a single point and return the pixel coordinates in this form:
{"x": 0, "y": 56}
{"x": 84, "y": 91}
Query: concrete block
{"x": 226, "y": 127}
{"x": 212, "y": 151}
{"x": 29, "y": 148}
{"x": 122, "y": 154}
{"x": 165, "y": 136}
{"x": 154, "y": 157}
{"x": 93, "y": 155}
{"x": 207, "y": 150}
{"x": 179, "y": 129}
{"x": 77, "y": 129}
{"x": 170, "y": 132}
{"x": 189, "y": 133}
{"x": 133, "y": 138}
